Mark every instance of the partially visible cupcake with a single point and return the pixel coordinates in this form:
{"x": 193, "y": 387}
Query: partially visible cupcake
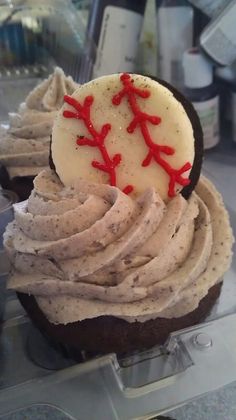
{"x": 24, "y": 146}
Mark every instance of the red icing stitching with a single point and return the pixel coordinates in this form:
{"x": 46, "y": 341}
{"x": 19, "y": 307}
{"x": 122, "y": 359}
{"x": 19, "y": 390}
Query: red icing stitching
{"x": 141, "y": 119}
{"x": 97, "y": 138}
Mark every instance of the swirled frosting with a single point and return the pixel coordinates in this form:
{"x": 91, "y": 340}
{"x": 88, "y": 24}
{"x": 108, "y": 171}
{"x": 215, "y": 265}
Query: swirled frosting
{"x": 24, "y": 147}
{"x": 89, "y": 250}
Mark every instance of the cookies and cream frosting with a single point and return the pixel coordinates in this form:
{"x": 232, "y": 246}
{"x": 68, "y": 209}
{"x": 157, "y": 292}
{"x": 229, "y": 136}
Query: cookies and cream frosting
{"x": 24, "y": 147}
{"x": 88, "y": 250}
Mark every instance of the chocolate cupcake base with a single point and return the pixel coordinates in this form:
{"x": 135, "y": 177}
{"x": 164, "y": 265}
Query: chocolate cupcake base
{"x": 107, "y": 334}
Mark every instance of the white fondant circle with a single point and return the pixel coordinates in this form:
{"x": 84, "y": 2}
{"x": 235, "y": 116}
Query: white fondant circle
{"x": 175, "y": 130}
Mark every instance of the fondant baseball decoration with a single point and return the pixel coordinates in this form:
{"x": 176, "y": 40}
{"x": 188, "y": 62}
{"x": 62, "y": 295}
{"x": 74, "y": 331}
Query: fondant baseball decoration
{"x": 126, "y": 130}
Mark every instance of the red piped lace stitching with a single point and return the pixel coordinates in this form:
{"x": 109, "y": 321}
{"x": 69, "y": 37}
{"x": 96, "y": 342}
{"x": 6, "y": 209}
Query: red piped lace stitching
{"x": 141, "y": 119}
{"x": 97, "y": 138}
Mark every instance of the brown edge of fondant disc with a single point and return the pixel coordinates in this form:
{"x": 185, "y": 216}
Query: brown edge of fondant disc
{"x": 197, "y": 133}
{"x": 51, "y": 163}
{"x": 106, "y": 334}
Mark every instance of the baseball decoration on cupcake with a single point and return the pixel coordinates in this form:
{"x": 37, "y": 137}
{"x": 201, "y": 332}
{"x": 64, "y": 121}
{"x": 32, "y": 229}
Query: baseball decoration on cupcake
{"x": 119, "y": 243}
{"x": 128, "y": 131}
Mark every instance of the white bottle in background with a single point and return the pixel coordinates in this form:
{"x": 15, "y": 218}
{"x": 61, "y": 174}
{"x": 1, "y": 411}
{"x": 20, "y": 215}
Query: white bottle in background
{"x": 115, "y": 27}
{"x": 211, "y": 8}
{"x": 174, "y": 36}
{"x": 201, "y": 91}
{"x": 218, "y": 39}
{"x": 147, "y": 50}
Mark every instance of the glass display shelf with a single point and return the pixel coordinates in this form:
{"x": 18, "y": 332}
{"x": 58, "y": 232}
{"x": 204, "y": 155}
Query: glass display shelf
{"x": 34, "y": 38}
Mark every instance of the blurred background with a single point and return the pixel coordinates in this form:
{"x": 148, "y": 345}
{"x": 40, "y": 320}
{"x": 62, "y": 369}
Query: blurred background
{"x": 191, "y": 44}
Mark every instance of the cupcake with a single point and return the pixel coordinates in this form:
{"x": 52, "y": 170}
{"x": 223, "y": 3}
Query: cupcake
{"x": 123, "y": 241}
{"x": 24, "y": 146}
